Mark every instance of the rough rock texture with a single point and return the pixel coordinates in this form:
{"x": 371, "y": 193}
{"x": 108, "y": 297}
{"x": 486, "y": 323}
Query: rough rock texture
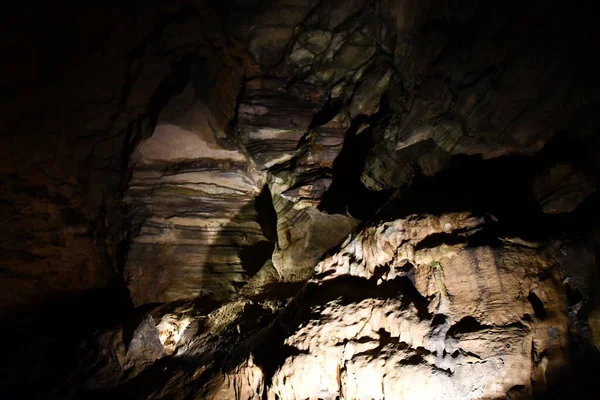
{"x": 175, "y": 171}
{"x": 460, "y": 82}
{"x": 418, "y": 307}
{"x": 276, "y": 124}
{"x": 473, "y": 326}
{"x": 122, "y": 352}
{"x": 391, "y": 308}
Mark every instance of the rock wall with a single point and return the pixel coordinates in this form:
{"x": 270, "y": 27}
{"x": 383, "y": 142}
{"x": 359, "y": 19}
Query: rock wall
{"x": 191, "y": 203}
{"x": 419, "y": 307}
{"x": 301, "y": 199}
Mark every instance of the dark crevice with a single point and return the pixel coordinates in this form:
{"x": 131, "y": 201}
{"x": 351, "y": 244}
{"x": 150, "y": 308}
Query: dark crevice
{"x": 500, "y": 187}
{"x": 538, "y": 307}
{"x": 326, "y": 114}
{"x": 487, "y": 236}
{"x": 253, "y": 257}
{"x": 466, "y": 325}
{"x": 347, "y": 194}
{"x": 516, "y": 392}
{"x": 267, "y": 216}
{"x": 412, "y": 295}
{"x": 438, "y": 320}
{"x": 438, "y": 239}
{"x": 465, "y": 353}
{"x": 574, "y": 296}
{"x": 386, "y": 340}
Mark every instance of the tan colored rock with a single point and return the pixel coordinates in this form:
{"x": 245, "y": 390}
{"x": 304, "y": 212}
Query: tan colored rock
{"x": 594, "y": 322}
{"x": 113, "y": 357}
{"x": 189, "y": 133}
{"x": 192, "y": 204}
{"x": 396, "y": 313}
{"x": 304, "y": 235}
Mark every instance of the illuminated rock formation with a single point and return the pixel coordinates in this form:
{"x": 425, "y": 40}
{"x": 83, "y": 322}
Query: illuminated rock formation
{"x": 313, "y": 199}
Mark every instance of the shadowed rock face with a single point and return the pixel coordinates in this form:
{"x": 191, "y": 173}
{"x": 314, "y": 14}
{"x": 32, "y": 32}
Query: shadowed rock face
{"x": 311, "y": 199}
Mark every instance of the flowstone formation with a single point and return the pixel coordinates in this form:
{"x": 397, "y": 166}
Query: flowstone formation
{"x": 293, "y": 200}
{"x": 422, "y": 307}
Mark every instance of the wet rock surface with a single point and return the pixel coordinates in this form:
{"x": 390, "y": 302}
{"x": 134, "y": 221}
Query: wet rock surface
{"x": 301, "y": 200}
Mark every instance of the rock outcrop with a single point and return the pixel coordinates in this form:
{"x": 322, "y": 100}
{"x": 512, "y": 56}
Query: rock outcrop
{"x": 419, "y": 307}
{"x": 301, "y": 199}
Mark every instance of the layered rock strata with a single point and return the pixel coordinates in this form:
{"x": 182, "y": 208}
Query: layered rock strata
{"x": 192, "y": 208}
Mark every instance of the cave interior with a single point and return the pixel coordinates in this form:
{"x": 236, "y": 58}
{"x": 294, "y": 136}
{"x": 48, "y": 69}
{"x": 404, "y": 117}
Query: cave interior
{"x": 300, "y": 200}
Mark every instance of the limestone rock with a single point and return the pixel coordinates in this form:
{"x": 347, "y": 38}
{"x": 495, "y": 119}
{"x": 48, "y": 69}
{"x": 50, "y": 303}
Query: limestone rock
{"x": 189, "y": 196}
{"x": 445, "y": 89}
{"x": 273, "y": 117}
{"x": 561, "y": 188}
{"x": 116, "y": 355}
{"x": 207, "y": 156}
{"x": 273, "y": 27}
{"x": 303, "y": 237}
{"x": 409, "y": 309}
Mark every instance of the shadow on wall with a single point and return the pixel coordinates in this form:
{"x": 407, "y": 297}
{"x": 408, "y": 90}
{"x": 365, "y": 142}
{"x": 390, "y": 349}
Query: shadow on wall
{"x": 347, "y": 194}
{"x": 192, "y": 243}
{"x": 229, "y": 243}
{"x": 501, "y": 187}
{"x": 253, "y": 257}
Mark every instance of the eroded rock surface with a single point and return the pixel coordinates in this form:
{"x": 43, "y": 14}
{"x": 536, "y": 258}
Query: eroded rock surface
{"x": 467, "y": 329}
{"x": 175, "y": 171}
{"x": 416, "y": 308}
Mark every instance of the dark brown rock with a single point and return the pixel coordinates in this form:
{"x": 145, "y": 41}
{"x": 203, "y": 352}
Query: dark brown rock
{"x": 561, "y": 188}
